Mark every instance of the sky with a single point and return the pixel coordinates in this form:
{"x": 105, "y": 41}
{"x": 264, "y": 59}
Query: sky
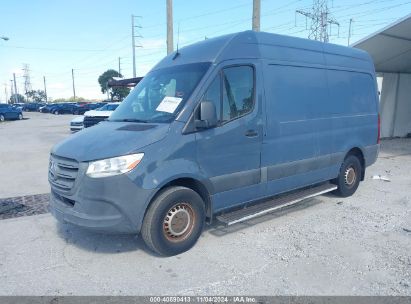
{"x": 55, "y": 36}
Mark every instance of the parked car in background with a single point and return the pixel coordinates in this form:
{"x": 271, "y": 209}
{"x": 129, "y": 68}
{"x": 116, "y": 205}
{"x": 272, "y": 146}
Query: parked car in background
{"x": 93, "y": 117}
{"x": 32, "y": 106}
{"x": 58, "y": 108}
{"x": 63, "y": 108}
{"x": 77, "y": 124}
{"x": 8, "y": 112}
{"x": 80, "y": 109}
{"x": 46, "y": 108}
{"x": 18, "y": 106}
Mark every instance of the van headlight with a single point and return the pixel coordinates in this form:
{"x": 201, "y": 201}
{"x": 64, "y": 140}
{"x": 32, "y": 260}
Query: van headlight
{"x": 113, "y": 166}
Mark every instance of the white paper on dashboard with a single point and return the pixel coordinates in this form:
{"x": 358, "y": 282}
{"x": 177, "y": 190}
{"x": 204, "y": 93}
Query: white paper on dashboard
{"x": 169, "y": 104}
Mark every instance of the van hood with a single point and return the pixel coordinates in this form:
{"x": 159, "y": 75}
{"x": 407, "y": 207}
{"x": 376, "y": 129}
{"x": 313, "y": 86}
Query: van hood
{"x": 110, "y": 139}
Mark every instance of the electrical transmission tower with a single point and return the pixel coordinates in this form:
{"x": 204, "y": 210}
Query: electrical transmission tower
{"x": 26, "y": 76}
{"x": 321, "y": 20}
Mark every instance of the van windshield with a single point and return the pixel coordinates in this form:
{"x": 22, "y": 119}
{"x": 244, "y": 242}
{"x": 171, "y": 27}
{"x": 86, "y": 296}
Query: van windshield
{"x": 161, "y": 94}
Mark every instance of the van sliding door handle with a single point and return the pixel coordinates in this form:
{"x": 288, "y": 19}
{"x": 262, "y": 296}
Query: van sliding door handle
{"x": 251, "y": 133}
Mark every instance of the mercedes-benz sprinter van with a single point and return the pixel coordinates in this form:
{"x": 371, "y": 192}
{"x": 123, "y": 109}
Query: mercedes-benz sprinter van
{"x": 227, "y": 128}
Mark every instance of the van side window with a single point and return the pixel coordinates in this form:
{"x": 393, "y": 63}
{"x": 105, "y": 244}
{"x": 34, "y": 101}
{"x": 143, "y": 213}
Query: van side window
{"x": 238, "y": 91}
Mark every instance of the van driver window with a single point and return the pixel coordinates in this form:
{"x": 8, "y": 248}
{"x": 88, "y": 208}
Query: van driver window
{"x": 238, "y": 91}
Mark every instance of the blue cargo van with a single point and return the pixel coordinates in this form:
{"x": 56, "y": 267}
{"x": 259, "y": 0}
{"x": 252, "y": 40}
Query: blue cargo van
{"x": 225, "y": 129}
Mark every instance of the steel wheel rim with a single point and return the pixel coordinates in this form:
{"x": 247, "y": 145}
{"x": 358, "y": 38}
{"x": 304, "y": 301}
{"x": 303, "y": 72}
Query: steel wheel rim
{"x": 179, "y": 222}
{"x": 350, "y": 176}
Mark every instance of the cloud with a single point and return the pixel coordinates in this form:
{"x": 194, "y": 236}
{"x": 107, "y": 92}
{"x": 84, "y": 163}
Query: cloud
{"x": 57, "y": 85}
{"x": 17, "y": 71}
{"x": 144, "y": 68}
{"x": 91, "y": 93}
{"x": 153, "y": 43}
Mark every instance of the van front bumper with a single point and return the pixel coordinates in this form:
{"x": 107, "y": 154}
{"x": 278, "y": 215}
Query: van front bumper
{"x": 113, "y": 204}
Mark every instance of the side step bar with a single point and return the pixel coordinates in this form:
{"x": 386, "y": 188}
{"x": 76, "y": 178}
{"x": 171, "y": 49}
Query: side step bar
{"x": 260, "y": 209}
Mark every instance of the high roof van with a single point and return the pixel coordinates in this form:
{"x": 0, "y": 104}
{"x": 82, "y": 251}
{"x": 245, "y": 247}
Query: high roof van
{"x": 225, "y": 129}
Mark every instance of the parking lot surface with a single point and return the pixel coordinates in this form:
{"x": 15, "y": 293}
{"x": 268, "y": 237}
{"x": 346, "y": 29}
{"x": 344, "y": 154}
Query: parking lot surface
{"x": 24, "y": 151}
{"x": 324, "y": 246}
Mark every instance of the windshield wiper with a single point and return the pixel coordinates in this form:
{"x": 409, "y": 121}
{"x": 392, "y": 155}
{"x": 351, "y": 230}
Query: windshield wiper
{"x": 129, "y": 120}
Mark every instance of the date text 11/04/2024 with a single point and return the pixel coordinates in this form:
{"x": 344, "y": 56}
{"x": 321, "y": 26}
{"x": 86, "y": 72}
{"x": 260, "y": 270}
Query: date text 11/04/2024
{"x": 203, "y": 299}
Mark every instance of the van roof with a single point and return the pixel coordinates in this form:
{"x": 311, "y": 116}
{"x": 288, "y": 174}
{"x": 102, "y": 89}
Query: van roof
{"x": 273, "y": 47}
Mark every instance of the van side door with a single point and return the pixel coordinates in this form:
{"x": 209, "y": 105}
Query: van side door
{"x": 291, "y": 153}
{"x": 229, "y": 153}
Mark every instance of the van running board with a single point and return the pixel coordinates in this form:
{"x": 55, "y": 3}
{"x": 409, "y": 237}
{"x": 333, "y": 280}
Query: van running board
{"x": 260, "y": 209}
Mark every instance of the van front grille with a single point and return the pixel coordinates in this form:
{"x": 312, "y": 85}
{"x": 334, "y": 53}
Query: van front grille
{"x": 92, "y": 120}
{"x": 62, "y": 172}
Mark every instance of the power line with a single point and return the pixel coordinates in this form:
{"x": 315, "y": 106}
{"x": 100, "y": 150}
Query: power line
{"x": 50, "y": 49}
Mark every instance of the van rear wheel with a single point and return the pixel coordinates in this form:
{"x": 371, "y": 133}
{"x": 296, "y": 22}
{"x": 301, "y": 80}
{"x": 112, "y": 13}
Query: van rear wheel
{"x": 174, "y": 221}
{"x": 349, "y": 177}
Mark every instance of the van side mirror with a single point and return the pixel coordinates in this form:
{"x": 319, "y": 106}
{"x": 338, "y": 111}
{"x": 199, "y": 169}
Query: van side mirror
{"x": 208, "y": 115}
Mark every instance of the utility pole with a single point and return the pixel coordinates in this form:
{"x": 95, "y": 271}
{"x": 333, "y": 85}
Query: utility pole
{"x": 16, "y": 98}
{"x": 321, "y": 19}
{"x": 256, "y": 15}
{"x": 74, "y": 89}
{"x": 11, "y": 89}
{"x": 119, "y": 65}
{"x": 170, "y": 43}
{"x": 135, "y": 34}
{"x": 45, "y": 88}
{"x": 133, "y": 45}
{"x": 6, "y": 93}
{"x": 349, "y": 32}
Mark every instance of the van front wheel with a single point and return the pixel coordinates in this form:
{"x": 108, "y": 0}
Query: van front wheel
{"x": 174, "y": 221}
{"x": 349, "y": 177}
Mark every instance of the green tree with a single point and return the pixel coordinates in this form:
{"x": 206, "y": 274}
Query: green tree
{"x": 77, "y": 99}
{"x": 70, "y": 99}
{"x": 19, "y": 97}
{"x": 115, "y": 93}
{"x": 36, "y": 95}
{"x": 59, "y": 100}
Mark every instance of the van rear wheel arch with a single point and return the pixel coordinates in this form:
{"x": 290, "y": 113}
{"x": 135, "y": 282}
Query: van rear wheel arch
{"x": 357, "y": 152}
{"x": 351, "y": 173}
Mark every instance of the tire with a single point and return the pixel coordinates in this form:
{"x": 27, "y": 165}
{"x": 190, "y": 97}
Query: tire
{"x": 349, "y": 177}
{"x": 56, "y": 112}
{"x": 76, "y": 113}
{"x": 20, "y": 117}
{"x": 174, "y": 221}
{"x": 2, "y": 118}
